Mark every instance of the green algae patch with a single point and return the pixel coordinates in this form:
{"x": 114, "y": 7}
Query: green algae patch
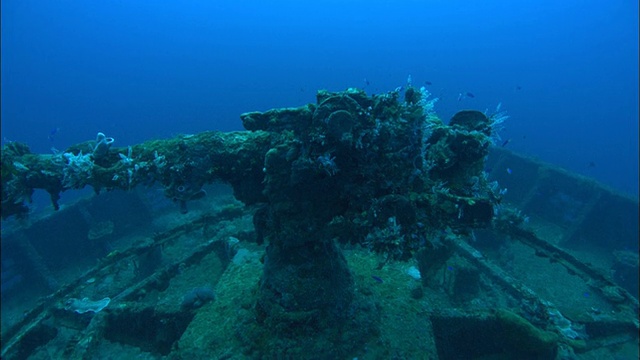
{"x": 522, "y": 336}
{"x": 216, "y": 330}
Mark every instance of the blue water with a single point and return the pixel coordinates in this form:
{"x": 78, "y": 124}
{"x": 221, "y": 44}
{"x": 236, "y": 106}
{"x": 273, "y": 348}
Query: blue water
{"x": 566, "y": 71}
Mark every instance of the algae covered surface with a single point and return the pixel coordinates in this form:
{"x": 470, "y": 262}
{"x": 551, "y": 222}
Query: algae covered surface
{"x": 228, "y": 328}
{"x": 360, "y": 226}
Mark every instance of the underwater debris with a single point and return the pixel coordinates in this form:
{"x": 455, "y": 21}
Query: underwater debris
{"x": 197, "y": 297}
{"x": 85, "y": 305}
{"x": 103, "y": 143}
{"x": 328, "y": 164}
{"x": 413, "y": 272}
{"x": 100, "y": 229}
{"x": 78, "y": 169}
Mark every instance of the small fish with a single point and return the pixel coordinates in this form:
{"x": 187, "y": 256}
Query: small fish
{"x": 592, "y": 164}
{"x": 377, "y": 279}
{"x": 506, "y": 142}
{"x": 366, "y": 82}
{"x": 427, "y": 82}
{"x": 463, "y": 95}
{"x": 509, "y": 171}
{"x": 53, "y": 133}
{"x": 518, "y": 87}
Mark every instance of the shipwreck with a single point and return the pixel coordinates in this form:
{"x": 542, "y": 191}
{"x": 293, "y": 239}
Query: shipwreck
{"x": 356, "y": 227}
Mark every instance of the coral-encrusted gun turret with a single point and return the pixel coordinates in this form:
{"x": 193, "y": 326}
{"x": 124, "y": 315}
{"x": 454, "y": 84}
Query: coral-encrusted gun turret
{"x": 382, "y": 171}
